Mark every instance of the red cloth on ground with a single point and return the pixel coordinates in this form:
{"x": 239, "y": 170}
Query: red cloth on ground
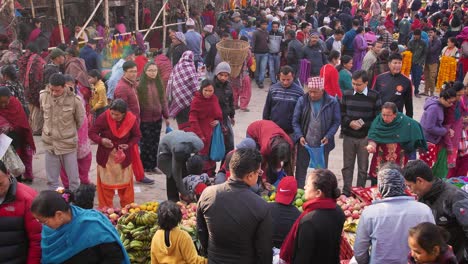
{"x": 287, "y": 249}
{"x": 262, "y": 131}
{"x": 203, "y": 111}
{"x": 330, "y": 80}
{"x": 15, "y": 114}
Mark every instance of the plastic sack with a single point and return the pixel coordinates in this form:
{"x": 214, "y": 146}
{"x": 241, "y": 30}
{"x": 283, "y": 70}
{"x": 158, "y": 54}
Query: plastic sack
{"x": 13, "y": 163}
{"x": 317, "y": 157}
{"x": 217, "y": 148}
{"x": 169, "y": 129}
{"x": 119, "y": 156}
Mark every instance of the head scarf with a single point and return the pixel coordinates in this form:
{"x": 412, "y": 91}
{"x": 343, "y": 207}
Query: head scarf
{"x": 390, "y": 182}
{"x": 182, "y": 84}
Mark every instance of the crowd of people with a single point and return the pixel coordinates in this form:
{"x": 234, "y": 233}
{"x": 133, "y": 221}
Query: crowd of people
{"x": 337, "y": 69}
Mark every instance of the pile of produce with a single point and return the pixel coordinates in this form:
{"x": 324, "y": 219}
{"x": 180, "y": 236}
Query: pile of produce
{"x": 115, "y": 213}
{"x": 352, "y": 208}
{"x": 189, "y": 220}
{"x": 298, "y": 201}
{"x": 136, "y": 231}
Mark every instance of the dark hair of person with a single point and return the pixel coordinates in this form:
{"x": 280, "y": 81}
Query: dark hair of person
{"x": 384, "y": 53}
{"x": 394, "y": 46}
{"x": 95, "y": 74}
{"x": 263, "y": 21}
{"x": 62, "y": 46}
{"x": 345, "y": 59}
{"x": 169, "y": 215}
{"x": 142, "y": 88}
{"x": 195, "y": 165}
{"x": 128, "y": 65}
{"x": 205, "y": 83}
{"x": 356, "y": 22}
{"x": 244, "y": 38}
{"x": 390, "y": 105}
{"x": 47, "y": 203}
{"x": 433, "y": 29}
{"x": 458, "y": 86}
{"x": 275, "y": 23}
{"x": 429, "y": 235}
{"x": 280, "y": 151}
{"x": 334, "y": 55}
{"x": 417, "y": 168}
{"x": 32, "y": 47}
{"x": 3, "y": 167}
{"x": 448, "y": 93}
{"x": 367, "y": 29}
{"x": 359, "y": 30}
{"x": 244, "y": 161}
{"x": 5, "y": 91}
{"x": 453, "y": 40}
{"x": 72, "y": 51}
{"x": 361, "y": 74}
{"x": 57, "y": 79}
{"x": 285, "y": 70}
{"x": 417, "y": 32}
{"x": 84, "y": 196}
{"x": 291, "y": 33}
{"x": 68, "y": 78}
{"x": 304, "y": 25}
{"x": 225, "y": 35}
{"x": 119, "y": 105}
{"x": 395, "y": 56}
{"x": 339, "y": 32}
{"x": 326, "y": 182}
{"x": 10, "y": 72}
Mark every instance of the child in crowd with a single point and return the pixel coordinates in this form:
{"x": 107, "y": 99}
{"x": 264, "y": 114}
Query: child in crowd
{"x": 170, "y": 244}
{"x": 196, "y": 181}
{"x": 428, "y": 244}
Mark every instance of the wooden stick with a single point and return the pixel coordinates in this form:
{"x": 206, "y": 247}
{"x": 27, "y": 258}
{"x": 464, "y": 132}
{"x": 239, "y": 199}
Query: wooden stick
{"x": 164, "y": 29}
{"x": 59, "y": 18}
{"x": 89, "y": 19}
{"x": 33, "y": 11}
{"x": 156, "y": 19}
{"x": 62, "y": 9}
{"x": 136, "y": 16}
{"x": 106, "y": 13}
{"x": 4, "y": 5}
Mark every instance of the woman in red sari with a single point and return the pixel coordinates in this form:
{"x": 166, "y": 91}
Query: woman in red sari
{"x": 115, "y": 131}
{"x": 14, "y": 123}
{"x": 205, "y": 114}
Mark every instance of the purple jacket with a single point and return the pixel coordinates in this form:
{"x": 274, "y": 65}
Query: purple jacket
{"x": 432, "y": 120}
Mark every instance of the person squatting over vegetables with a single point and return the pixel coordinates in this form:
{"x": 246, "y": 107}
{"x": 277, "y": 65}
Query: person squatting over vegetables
{"x": 71, "y": 234}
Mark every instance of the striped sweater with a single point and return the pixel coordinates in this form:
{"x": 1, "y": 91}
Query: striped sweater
{"x": 356, "y": 106}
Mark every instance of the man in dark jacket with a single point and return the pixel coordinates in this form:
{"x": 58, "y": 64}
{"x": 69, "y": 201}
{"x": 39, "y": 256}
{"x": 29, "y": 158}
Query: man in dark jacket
{"x": 275, "y": 41}
{"x": 448, "y": 203}
{"x": 234, "y": 224}
{"x": 173, "y": 152}
{"x": 419, "y": 49}
{"x": 281, "y": 100}
{"x": 90, "y": 56}
{"x": 315, "y": 53}
{"x": 283, "y": 213}
{"x": 315, "y": 122}
{"x": 260, "y": 49}
{"x": 179, "y": 46}
{"x": 20, "y": 233}
{"x": 294, "y": 52}
{"x": 223, "y": 90}
{"x": 432, "y": 62}
{"x": 359, "y": 107}
{"x": 395, "y": 87}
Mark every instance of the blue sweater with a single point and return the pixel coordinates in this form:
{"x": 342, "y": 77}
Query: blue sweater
{"x": 280, "y": 104}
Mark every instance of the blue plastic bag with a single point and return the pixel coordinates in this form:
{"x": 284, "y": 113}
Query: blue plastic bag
{"x": 317, "y": 157}
{"x": 169, "y": 129}
{"x": 217, "y": 148}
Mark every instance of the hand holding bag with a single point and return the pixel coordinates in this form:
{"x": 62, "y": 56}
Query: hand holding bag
{"x": 217, "y": 148}
{"x": 119, "y": 156}
{"x": 317, "y": 157}
{"x": 13, "y": 163}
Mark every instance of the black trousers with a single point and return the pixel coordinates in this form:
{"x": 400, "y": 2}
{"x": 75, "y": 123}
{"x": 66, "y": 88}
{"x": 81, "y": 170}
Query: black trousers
{"x": 149, "y": 143}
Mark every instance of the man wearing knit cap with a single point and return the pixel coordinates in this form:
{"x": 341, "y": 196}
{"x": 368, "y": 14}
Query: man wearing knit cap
{"x": 383, "y": 226}
{"x": 211, "y": 38}
{"x": 283, "y": 213}
{"x": 237, "y": 24}
{"x": 193, "y": 40}
{"x": 315, "y": 53}
{"x": 316, "y": 120}
{"x": 179, "y": 46}
{"x": 223, "y": 90}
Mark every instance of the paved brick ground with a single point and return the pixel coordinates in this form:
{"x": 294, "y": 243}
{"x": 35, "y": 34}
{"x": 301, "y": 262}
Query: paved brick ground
{"x": 243, "y": 119}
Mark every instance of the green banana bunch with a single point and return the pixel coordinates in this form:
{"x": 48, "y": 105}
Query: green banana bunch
{"x": 136, "y": 245}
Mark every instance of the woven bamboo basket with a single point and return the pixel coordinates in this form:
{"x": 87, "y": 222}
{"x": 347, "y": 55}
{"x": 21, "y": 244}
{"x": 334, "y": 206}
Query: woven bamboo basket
{"x": 233, "y": 52}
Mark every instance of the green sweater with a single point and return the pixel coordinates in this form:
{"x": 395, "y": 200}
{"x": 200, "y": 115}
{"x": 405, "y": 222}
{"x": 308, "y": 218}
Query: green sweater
{"x": 345, "y": 80}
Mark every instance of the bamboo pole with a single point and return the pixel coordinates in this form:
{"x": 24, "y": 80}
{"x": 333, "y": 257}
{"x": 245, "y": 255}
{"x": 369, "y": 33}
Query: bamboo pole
{"x": 4, "y": 5}
{"x": 156, "y": 19}
{"x": 89, "y": 19}
{"x": 62, "y": 9}
{"x": 106, "y": 13}
{"x": 33, "y": 11}
{"x": 164, "y": 29}
{"x": 59, "y": 18}
{"x": 136, "y": 16}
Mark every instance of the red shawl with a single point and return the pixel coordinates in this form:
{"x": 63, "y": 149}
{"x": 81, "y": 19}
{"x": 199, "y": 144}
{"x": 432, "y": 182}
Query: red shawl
{"x": 120, "y": 132}
{"x": 287, "y": 249}
{"x": 15, "y": 114}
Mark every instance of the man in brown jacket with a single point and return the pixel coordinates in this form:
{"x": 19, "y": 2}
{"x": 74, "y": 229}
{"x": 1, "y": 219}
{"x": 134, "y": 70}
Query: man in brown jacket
{"x": 63, "y": 115}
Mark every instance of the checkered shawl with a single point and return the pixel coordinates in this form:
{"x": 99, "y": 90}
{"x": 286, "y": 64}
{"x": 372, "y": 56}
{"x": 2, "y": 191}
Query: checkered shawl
{"x": 182, "y": 84}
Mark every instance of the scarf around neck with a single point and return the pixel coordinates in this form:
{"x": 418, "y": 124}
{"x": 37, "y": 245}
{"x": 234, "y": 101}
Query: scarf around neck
{"x": 88, "y": 228}
{"x": 125, "y": 126}
{"x": 287, "y": 249}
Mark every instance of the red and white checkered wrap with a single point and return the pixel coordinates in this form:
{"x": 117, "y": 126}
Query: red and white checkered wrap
{"x": 182, "y": 84}
{"x": 315, "y": 83}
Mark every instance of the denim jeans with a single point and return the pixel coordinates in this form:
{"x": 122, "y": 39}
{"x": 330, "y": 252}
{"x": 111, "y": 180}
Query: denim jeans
{"x": 274, "y": 65}
{"x": 416, "y": 73}
{"x": 261, "y": 60}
